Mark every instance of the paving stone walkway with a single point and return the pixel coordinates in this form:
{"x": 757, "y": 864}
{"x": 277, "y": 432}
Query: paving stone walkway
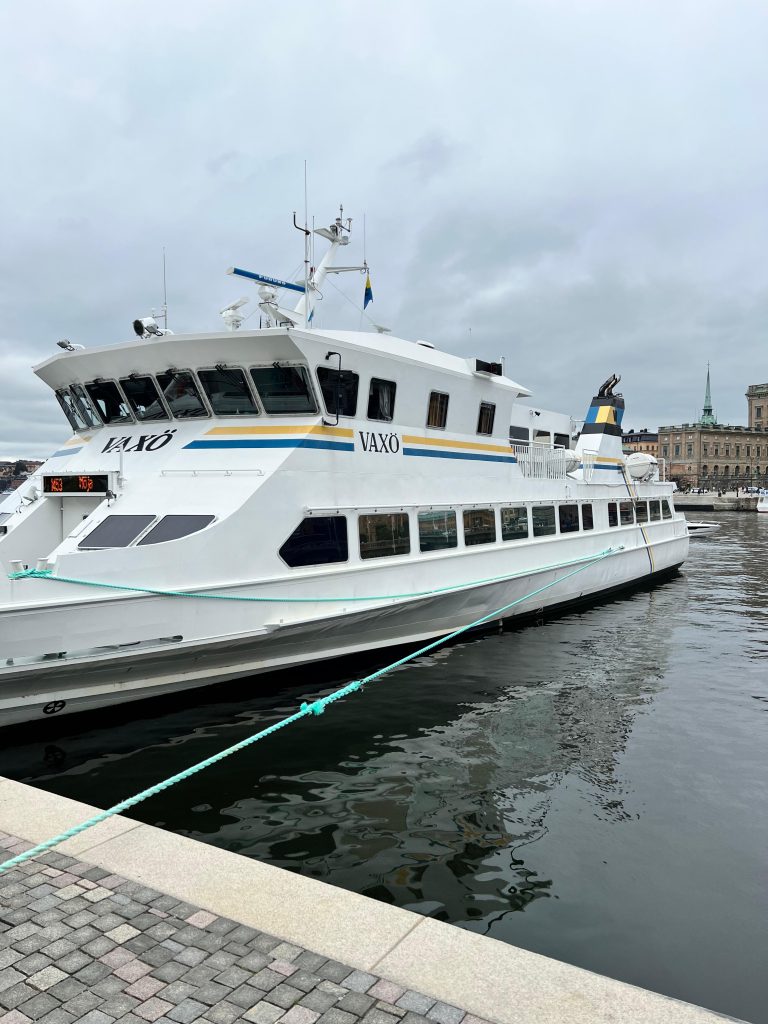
{"x": 81, "y": 946}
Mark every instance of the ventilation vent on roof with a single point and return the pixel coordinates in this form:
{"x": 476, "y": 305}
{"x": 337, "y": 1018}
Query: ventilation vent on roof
{"x": 482, "y": 367}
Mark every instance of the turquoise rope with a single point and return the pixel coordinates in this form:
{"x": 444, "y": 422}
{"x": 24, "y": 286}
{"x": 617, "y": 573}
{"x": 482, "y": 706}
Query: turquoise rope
{"x": 47, "y": 574}
{"x": 317, "y": 707}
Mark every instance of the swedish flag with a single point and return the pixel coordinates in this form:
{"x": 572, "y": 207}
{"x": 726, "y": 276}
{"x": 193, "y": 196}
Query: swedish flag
{"x": 368, "y": 297}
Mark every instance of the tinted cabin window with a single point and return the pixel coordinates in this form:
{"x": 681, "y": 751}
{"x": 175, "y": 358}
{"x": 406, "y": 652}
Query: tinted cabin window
{"x": 543, "y": 520}
{"x": 284, "y": 389}
{"x": 174, "y": 527}
{"x": 613, "y": 514}
{"x": 437, "y": 530}
{"x": 228, "y": 392}
{"x": 655, "y": 511}
{"x": 569, "y": 518}
{"x": 666, "y": 510}
{"x": 85, "y": 406}
{"x": 339, "y": 389}
{"x": 70, "y": 410}
{"x": 485, "y": 418}
{"x": 381, "y": 399}
{"x": 562, "y": 440}
{"x": 587, "y": 521}
{"x": 317, "y": 540}
{"x": 437, "y": 410}
{"x": 519, "y": 435}
{"x": 144, "y": 398}
{"x": 182, "y": 394}
{"x": 641, "y": 511}
{"x": 479, "y": 526}
{"x": 625, "y": 513}
{"x": 116, "y": 532}
{"x": 384, "y": 534}
{"x": 106, "y": 396}
{"x": 514, "y": 523}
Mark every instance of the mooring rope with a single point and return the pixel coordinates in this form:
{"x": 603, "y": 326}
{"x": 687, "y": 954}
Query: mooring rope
{"x": 47, "y": 574}
{"x": 316, "y": 707}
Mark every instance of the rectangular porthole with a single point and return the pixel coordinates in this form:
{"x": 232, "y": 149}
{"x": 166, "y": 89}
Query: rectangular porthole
{"x": 626, "y": 515}
{"x": 144, "y": 398}
{"x": 613, "y": 514}
{"x": 514, "y": 523}
{"x": 317, "y": 540}
{"x": 115, "y": 532}
{"x": 479, "y": 526}
{"x": 666, "y": 510}
{"x": 641, "y": 511}
{"x": 437, "y": 410}
{"x": 437, "y": 530}
{"x": 182, "y": 394}
{"x": 384, "y": 534}
{"x": 569, "y": 518}
{"x": 543, "y": 520}
{"x": 228, "y": 392}
{"x": 175, "y": 527}
{"x": 587, "y": 519}
{"x": 655, "y": 511}
{"x": 284, "y": 389}
{"x": 381, "y": 399}
{"x": 485, "y": 418}
{"x": 339, "y": 389}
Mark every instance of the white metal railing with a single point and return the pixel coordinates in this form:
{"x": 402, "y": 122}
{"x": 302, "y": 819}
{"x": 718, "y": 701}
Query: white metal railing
{"x": 538, "y": 460}
{"x": 588, "y": 460}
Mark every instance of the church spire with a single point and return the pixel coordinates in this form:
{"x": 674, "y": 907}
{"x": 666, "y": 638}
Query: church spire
{"x": 707, "y": 416}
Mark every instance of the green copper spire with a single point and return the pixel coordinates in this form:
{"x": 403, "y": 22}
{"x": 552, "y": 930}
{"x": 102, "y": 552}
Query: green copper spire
{"x": 707, "y": 416}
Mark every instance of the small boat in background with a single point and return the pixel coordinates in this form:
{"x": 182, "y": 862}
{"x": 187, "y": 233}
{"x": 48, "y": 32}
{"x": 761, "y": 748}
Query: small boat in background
{"x": 698, "y": 529}
{"x": 762, "y": 502}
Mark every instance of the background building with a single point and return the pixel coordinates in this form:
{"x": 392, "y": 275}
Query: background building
{"x": 14, "y": 471}
{"x": 644, "y": 440}
{"x": 716, "y": 455}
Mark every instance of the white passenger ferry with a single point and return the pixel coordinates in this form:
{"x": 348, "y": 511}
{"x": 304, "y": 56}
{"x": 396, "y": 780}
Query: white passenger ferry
{"x": 235, "y": 502}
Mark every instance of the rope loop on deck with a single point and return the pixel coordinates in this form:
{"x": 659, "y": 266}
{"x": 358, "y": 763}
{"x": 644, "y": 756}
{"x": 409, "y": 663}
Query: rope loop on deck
{"x": 307, "y": 710}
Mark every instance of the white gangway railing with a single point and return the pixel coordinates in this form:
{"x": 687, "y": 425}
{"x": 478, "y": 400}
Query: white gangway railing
{"x": 539, "y": 460}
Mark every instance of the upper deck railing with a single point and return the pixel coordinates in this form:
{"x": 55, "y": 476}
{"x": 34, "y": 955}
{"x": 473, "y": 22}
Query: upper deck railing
{"x": 541, "y": 461}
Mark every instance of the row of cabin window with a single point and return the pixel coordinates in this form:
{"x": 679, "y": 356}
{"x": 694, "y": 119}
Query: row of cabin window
{"x": 625, "y": 513}
{"x": 281, "y": 390}
{"x": 120, "y": 531}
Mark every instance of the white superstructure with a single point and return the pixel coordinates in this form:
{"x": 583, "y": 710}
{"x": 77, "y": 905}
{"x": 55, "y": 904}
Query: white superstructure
{"x": 367, "y": 490}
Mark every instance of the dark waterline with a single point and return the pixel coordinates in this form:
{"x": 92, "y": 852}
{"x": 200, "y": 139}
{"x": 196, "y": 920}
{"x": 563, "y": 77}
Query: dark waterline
{"x": 593, "y": 788}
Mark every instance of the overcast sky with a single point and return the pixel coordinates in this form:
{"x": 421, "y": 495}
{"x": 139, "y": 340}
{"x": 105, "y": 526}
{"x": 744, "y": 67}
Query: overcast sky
{"x": 578, "y": 185}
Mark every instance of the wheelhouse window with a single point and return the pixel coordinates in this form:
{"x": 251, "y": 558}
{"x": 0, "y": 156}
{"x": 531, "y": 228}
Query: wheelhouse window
{"x": 514, "y": 523}
{"x": 626, "y": 515}
{"x": 641, "y": 512}
{"x": 144, "y": 398}
{"x": 317, "y": 540}
{"x": 655, "y": 511}
{"x": 182, "y": 394}
{"x": 228, "y": 392}
{"x": 70, "y": 410}
{"x": 437, "y": 530}
{"x": 339, "y": 389}
{"x": 479, "y": 526}
{"x": 519, "y": 435}
{"x": 613, "y": 514}
{"x": 437, "y": 410}
{"x": 107, "y": 398}
{"x": 587, "y": 518}
{"x": 85, "y": 406}
{"x": 485, "y": 418}
{"x": 543, "y": 520}
{"x": 569, "y": 518}
{"x": 666, "y": 510}
{"x": 381, "y": 399}
{"x": 284, "y": 389}
{"x": 175, "y": 527}
{"x": 115, "y": 532}
{"x": 384, "y": 534}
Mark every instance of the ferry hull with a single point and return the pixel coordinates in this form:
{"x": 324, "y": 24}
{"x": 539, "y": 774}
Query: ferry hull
{"x": 60, "y": 686}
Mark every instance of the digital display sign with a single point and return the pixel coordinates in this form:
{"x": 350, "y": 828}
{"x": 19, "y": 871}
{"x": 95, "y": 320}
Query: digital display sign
{"x": 76, "y": 483}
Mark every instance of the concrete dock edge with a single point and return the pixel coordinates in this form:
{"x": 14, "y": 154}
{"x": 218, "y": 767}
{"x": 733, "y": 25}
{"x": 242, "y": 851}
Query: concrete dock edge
{"x": 488, "y": 978}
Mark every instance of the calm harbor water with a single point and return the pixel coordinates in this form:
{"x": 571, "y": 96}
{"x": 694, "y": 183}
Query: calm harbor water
{"x": 594, "y": 788}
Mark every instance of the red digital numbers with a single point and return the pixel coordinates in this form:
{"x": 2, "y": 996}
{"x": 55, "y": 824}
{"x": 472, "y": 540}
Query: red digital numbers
{"x": 57, "y": 485}
{"x": 85, "y": 483}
